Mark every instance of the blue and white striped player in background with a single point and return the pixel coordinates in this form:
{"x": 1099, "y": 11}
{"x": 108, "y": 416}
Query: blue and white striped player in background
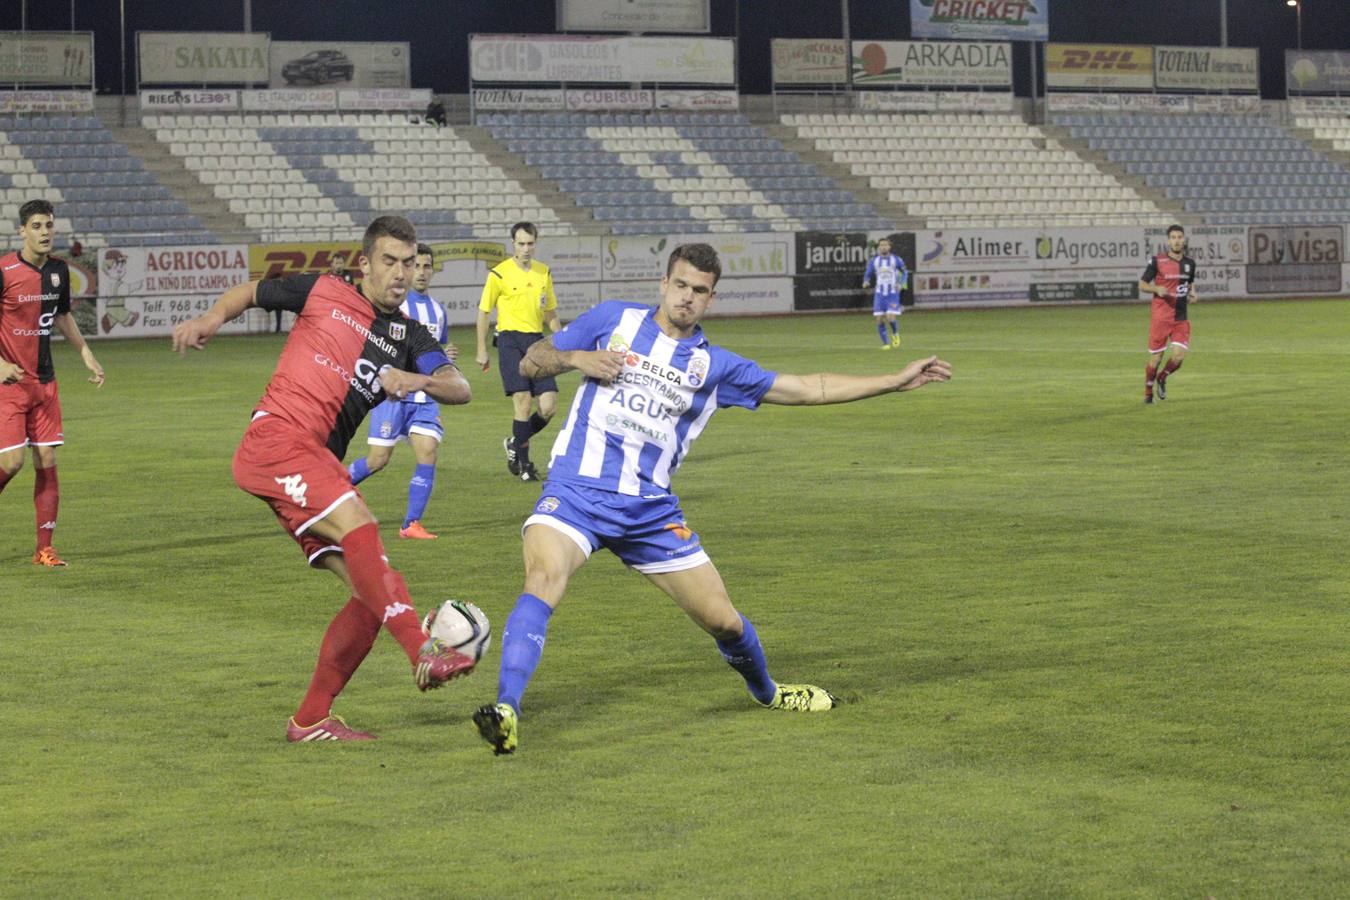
{"x": 651, "y": 383}
{"x": 891, "y": 276}
{"x": 416, "y": 418}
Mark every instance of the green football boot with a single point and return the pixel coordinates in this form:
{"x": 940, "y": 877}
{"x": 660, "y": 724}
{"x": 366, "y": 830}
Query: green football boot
{"x": 496, "y": 722}
{"x": 803, "y": 698}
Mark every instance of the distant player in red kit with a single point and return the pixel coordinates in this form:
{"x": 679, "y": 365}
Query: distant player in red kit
{"x": 1170, "y": 278}
{"x": 349, "y": 348}
{"x": 34, "y": 299}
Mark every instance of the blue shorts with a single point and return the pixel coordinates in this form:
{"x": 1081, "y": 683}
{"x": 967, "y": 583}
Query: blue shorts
{"x": 647, "y": 533}
{"x": 393, "y": 420}
{"x": 886, "y": 303}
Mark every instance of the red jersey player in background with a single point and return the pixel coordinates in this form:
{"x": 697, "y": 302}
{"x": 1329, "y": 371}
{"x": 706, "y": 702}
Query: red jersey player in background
{"x": 34, "y": 299}
{"x": 1170, "y": 278}
{"x": 348, "y": 349}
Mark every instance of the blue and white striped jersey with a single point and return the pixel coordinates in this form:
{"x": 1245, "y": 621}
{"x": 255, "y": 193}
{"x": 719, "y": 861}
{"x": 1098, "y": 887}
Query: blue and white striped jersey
{"x": 888, "y": 273}
{"x": 424, "y": 309}
{"x": 631, "y": 435}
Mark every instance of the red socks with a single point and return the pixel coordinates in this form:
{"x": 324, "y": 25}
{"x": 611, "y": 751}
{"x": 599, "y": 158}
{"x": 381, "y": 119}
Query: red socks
{"x": 381, "y": 589}
{"x": 1150, "y": 375}
{"x": 46, "y": 498}
{"x": 345, "y": 644}
{"x": 1172, "y": 366}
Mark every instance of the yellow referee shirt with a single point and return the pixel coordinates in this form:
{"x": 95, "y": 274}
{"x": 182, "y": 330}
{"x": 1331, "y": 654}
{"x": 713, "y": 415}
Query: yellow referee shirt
{"x": 521, "y": 297}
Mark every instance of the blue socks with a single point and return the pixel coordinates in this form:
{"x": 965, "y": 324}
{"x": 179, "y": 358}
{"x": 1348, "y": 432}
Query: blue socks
{"x": 359, "y": 471}
{"x": 522, "y": 645}
{"x": 419, "y": 491}
{"x": 881, "y": 330}
{"x": 747, "y": 657}
{"x": 895, "y": 327}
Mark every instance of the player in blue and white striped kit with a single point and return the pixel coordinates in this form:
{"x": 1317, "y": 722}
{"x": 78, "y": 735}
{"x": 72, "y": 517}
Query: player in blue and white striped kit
{"x": 416, "y": 418}
{"x": 652, "y": 381}
{"x": 891, "y": 276}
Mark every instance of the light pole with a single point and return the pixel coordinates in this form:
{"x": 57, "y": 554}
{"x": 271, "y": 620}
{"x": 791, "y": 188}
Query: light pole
{"x": 1298, "y": 12}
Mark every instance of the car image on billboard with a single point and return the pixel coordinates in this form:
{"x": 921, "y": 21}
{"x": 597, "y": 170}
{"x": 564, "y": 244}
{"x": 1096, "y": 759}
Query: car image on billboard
{"x": 319, "y": 67}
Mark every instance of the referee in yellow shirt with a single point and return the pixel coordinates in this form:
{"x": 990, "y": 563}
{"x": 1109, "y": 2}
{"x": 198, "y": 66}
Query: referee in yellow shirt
{"x": 522, "y": 290}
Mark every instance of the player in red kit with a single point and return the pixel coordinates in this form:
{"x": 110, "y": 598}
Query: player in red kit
{"x": 1170, "y": 278}
{"x": 348, "y": 349}
{"x": 34, "y": 299}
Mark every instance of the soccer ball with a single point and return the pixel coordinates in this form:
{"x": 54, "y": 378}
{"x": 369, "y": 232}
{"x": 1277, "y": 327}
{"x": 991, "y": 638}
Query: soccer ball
{"x": 461, "y": 625}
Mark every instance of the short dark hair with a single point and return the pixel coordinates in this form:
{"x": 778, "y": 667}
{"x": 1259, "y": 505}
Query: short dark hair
{"x": 395, "y": 227}
{"x": 35, "y": 208}
{"x": 701, "y": 256}
{"x": 425, "y": 250}
{"x": 1172, "y": 228}
{"x": 527, "y": 227}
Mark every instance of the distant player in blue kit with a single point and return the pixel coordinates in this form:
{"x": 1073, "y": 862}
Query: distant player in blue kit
{"x": 651, "y": 383}
{"x": 417, "y": 418}
{"x": 890, "y": 275}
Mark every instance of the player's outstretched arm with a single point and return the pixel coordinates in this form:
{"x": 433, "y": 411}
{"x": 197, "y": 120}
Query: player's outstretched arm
{"x": 543, "y": 360}
{"x": 65, "y": 323}
{"x": 196, "y": 332}
{"x": 828, "y": 387}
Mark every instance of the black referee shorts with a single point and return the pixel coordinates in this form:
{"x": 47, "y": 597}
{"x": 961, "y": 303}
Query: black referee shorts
{"x": 511, "y": 347}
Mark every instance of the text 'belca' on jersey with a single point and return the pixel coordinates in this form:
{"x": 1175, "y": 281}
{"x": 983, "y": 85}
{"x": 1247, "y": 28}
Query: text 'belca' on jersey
{"x": 328, "y": 376}
{"x": 30, "y": 300}
{"x": 630, "y": 435}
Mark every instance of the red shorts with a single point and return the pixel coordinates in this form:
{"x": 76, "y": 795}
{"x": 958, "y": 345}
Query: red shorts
{"x": 299, "y": 478}
{"x": 30, "y": 413}
{"x": 1164, "y": 331}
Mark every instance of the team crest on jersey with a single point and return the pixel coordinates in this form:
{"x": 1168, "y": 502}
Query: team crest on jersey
{"x": 56, "y": 279}
{"x": 698, "y": 371}
{"x": 547, "y": 505}
{"x": 386, "y": 429}
{"x": 398, "y": 331}
{"x": 617, "y": 343}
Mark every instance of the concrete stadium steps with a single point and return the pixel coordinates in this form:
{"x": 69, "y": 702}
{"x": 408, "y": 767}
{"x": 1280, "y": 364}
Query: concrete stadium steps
{"x": 841, "y": 175}
{"x": 481, "y": 140}
{"x": 1136, "y": 183}
{"x": 169, "y": 170}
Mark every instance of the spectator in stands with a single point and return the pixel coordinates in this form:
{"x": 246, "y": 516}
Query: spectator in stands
{"x": 435, "y": 112}
{"x": 337, "y": 267}
{"x": 891, "y": 276}
{"x": 521, "y": 289}
{"x": 76, "y": 248}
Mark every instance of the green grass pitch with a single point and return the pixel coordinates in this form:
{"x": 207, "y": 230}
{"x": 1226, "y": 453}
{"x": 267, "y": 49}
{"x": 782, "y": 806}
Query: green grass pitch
{"x": 1086, "y": 648}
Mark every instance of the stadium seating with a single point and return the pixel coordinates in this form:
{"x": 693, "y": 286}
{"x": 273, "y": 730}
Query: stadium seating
{"x": 102, "y": 194}
{"x": 320, "y": 177}
{"x": 1228, "y": 170}
{"x": 707, "y": 172}
{"x": 973, "y": 169}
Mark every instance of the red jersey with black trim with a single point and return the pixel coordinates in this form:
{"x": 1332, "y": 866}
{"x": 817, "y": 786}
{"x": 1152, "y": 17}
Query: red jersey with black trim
{"x": 1177, "y": 276}
{"x": 327, "y": 378}
{"x": 30, "y": 300}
